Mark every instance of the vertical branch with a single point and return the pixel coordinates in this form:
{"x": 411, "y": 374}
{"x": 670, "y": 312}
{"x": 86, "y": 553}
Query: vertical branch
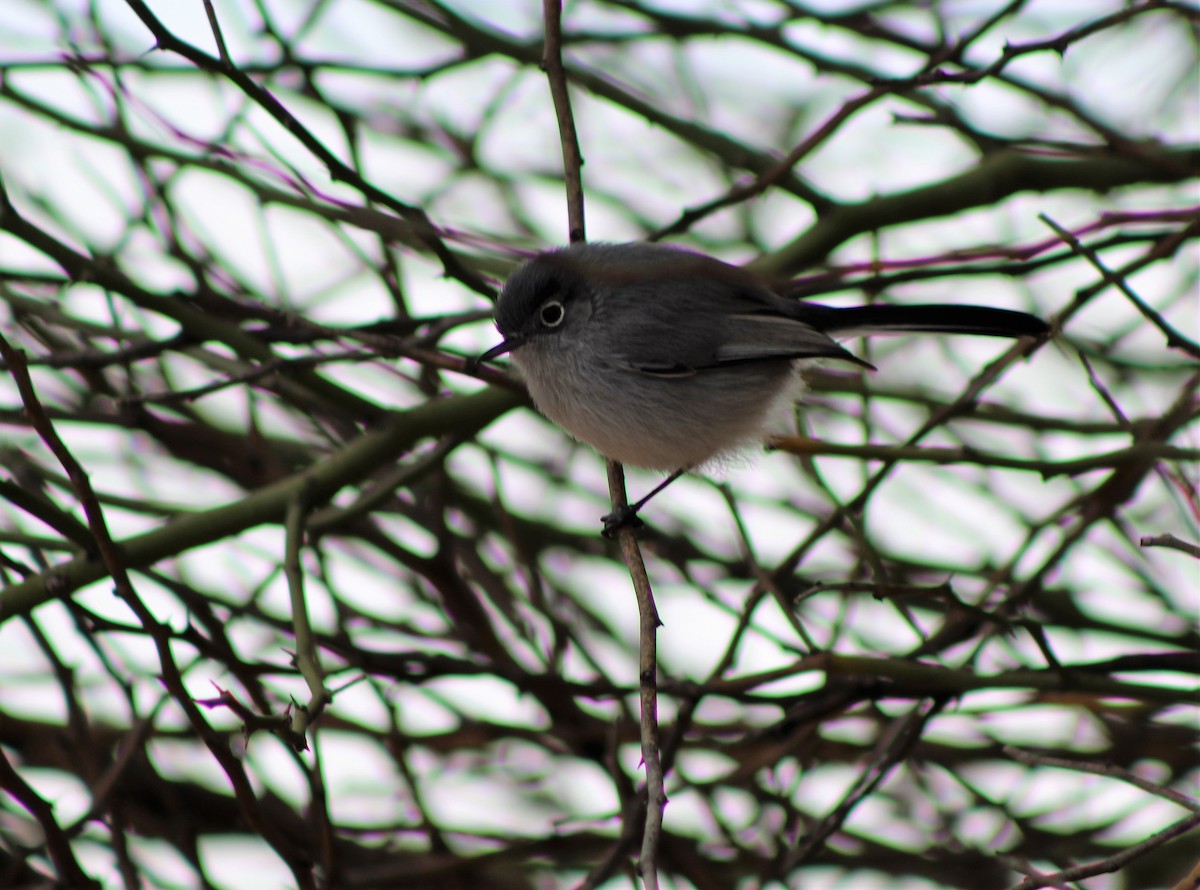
{"x": 572, "y": 160}
{"x": 648, "y": 621}
{"x": 648, "y": 624}
{"x": 306, "y": 648}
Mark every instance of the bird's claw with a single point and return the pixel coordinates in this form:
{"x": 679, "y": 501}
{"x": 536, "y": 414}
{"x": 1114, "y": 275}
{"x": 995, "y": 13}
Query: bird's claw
{"x": 621, "y": 517}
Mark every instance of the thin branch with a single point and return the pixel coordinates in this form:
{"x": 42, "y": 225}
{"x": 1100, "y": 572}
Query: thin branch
{"x": 648, "y": 625}
{"x": 771, "y": 177}
{"x": 1047, "y": 469}
{"x": 559, "y": 91}
{"x": 1112, "y": 863}
{"x": 1172, "y": 542}
{"x": 69, "y": 871}
{"x": 1175, "y": 340}
{"x": 429, "y": 234}
{"x": 306, "y": 648}
{"x": 1112, "y": 771}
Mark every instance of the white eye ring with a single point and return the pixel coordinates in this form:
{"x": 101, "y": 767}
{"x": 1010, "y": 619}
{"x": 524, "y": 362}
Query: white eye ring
{"x": 552, "y": 313}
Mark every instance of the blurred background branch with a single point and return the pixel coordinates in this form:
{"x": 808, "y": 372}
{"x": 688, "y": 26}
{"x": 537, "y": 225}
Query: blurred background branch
{"x": 946, "y": 638}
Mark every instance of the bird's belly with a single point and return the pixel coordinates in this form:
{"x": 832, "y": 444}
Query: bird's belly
{"x": 665, "y": 423}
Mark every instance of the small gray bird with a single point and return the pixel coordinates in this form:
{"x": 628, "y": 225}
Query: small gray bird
{"x": 662, "y": 358}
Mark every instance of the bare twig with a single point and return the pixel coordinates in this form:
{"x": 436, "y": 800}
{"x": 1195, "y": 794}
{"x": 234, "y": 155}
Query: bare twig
{"x": 1172, "y": 542}
{"x": 1112, "y": 771}
{"x": 1175, "y": 340}
{"x": 58, "y": 844}
{"x": 306, "y": 648}
{"x": 1113, "y": 863}
{"x": 559, "y": 91}
{"x": 893, "y": 745}
{"x": 1048, "y": 469}
{"x": 648, "y": 625}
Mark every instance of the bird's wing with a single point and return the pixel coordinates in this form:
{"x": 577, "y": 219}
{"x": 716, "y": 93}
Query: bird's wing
{"x": 758, "y": 336}
{"x": 729, "y": 339}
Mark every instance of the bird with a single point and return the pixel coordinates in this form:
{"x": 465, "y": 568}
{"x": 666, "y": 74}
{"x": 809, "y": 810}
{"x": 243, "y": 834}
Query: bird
{"x": 671, "y": 360}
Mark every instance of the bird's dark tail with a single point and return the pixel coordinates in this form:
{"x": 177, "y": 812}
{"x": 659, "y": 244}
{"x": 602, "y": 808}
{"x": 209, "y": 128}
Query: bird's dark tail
{"x": 858, "y": 321}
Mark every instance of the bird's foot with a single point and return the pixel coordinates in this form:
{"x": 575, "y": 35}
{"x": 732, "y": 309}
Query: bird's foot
{"x": 622, "y": 517}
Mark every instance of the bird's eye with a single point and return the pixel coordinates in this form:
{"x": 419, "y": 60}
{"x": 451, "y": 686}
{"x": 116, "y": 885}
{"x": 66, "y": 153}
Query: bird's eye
{"x": 552, "y": 313}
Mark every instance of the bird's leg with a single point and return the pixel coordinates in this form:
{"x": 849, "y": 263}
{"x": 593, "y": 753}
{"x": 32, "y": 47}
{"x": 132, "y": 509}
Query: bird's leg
{"x": 627, "y": 516}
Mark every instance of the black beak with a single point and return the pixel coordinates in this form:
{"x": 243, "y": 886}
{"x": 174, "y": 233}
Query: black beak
{"x": 500, "y": 349}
